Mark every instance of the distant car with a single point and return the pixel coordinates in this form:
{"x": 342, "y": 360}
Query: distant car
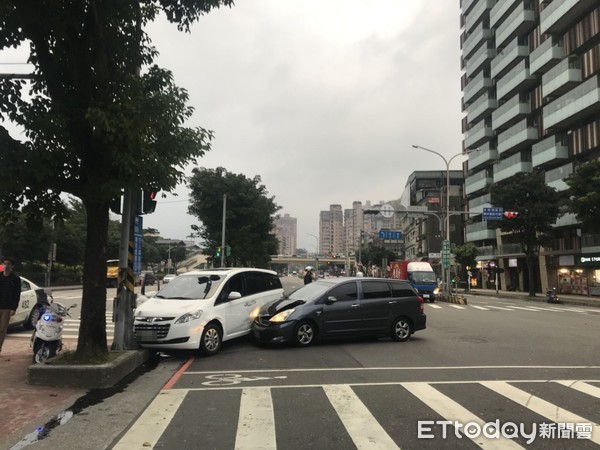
{"x": 169, "y": 277}
{"x": 32, "y": 299}
{"x": 341, "y": 307}
{"x": 202, "y": 309}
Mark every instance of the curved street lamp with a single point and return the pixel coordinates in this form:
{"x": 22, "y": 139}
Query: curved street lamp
{"x": 447, "y": 213}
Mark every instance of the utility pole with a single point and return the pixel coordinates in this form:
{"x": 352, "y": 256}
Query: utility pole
{"x": 223, "y": 231}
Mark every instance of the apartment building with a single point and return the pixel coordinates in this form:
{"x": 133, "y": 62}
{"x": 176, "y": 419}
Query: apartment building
{"x": 531, "y": 98}
{"x": 287, "y": 234}
{"x": 331, "y": 231}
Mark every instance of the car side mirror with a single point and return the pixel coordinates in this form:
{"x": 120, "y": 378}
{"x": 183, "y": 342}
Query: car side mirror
{"x": 234, "y": 295}
{"x": 331, "y": 299}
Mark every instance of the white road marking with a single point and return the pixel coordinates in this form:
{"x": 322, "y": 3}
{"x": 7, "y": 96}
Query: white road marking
{"x": 480, "y": 307}
{"x": 434, "y": 306}
{"x": 150, "y": 426}
{"x": 581, "y": 386}
{"x": 457, "y": 306}
{"x": 540, "y": 406}
{"x": 256, "y": 423}
{"x": 363, "y": 428}
{"x": 501, "y": 307}
{"x": 523, "y": 308}
{"x": 446, "y": 407}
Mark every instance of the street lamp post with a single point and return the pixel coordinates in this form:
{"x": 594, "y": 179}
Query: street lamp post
{"x": 316, "y": 254}
{"x": 446, "y": 276}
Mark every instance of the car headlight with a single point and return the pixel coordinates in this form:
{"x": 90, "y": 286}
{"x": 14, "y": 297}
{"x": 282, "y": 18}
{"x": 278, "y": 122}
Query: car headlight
{"x": 255, "y": 312}
{"x": 436, "y": 291}
{"x": 189, "y": 316}
{"x": 282, "y": 316}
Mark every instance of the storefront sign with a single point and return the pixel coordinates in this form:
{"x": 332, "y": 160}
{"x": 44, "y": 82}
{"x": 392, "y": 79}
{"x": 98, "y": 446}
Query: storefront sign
{"x": 593, "y": 259}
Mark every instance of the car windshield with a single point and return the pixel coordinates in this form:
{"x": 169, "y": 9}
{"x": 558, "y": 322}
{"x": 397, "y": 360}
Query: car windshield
{"x": 311, "y": 291}
{"x": 424, "y": 277}
{"x": 190, "y": 287}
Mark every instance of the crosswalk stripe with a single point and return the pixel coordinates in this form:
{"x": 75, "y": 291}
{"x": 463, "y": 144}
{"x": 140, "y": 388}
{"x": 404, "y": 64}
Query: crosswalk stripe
{"x": 434, "y": 306}
{"x": 362, "y": 427}
{"x": 581, "y": 386}
{"x": 480, "y": 307}
{"x": 500, "y": 307}
{"x": 540, "y": 406}
{"x": 446, "y": 407}
{"x": 457, "y": 306}
{"x": 256, "y": 423}
{"x": 153, "y": 422}
{"x": 525, "y": 308}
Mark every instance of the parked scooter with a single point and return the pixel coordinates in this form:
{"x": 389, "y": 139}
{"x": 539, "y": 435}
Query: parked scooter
{"x": 551, "y": 296}
{"x": 47, "y": 336}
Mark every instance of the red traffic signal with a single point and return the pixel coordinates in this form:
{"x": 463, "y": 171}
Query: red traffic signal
{"x": 511, "y": 214}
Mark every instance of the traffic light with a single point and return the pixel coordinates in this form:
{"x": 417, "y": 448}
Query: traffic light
{"x": 371, "y": 211}
{"x": 218, "y": 252}
{"x": 149, "y": 201}
{"x": 512, "y": 214}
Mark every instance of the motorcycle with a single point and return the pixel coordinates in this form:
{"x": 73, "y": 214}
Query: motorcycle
{"x": 551, "y": 296}
{"x": 47, "y": 336}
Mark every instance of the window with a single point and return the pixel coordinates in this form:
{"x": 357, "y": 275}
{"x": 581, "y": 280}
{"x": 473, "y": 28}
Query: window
{"x": 401, "y": 290}
{"x": 255, "y": 282}
{"x": 344, "y": 293}
{"x": 375, "y": 289}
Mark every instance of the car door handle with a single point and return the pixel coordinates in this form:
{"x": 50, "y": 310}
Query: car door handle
{"x": 392, "y": 302}
{"x": 356, "y": 306}
{"x": 250, "y": 303}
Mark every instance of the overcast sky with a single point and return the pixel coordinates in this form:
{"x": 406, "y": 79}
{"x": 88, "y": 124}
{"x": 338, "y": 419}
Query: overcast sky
{"x": 321, "y": 98}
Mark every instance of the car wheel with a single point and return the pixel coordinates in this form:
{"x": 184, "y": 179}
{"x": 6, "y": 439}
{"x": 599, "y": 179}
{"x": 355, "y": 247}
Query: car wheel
{"x": 401, "y": 330}
{"x": 42, "y": 351}
{"x": 305, "y": 334}
{"x": 210, "y": 342}
{"x": 33, "y": 318}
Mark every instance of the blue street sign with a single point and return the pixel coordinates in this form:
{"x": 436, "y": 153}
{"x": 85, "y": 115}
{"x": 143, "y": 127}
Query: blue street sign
{"x": 137, "y": 245}
{"x": 492, "y": 213}
{"x": 390, "y": 235}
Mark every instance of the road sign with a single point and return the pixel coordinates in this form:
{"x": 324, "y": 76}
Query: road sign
{"x": 387, "y": 211}
{"x": 137, "y": 245}
{"x": 416, "y": 209}
{"x": 446, "y": 253}
{"x": 492, "y": 213}
{"x": 390, "y": 234}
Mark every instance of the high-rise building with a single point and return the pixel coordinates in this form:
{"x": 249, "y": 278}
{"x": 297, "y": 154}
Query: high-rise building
{"x": 531, "y": 94}
{"x": 331, "y": 231}
{"x": 286, "y": 233}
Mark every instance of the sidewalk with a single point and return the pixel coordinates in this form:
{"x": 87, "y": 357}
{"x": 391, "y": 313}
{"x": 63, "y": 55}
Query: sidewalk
{"x": 26, "y": 407}
{"x": 565, "y": 299}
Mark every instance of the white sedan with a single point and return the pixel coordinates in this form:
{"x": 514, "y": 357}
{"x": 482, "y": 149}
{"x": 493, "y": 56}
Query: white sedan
{"x": 32, "y": 298}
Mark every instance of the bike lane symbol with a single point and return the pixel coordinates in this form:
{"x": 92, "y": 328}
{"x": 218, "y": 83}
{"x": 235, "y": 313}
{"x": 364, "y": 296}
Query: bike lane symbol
{"x": 228, "y": 379}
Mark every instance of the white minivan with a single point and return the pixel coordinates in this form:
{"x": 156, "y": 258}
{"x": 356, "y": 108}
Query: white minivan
{"x": 202, "y": 309}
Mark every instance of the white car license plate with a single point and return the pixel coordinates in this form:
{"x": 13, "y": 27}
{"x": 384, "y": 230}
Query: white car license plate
{"x": 146, "y": 335}
{"x": 425, "y": 295}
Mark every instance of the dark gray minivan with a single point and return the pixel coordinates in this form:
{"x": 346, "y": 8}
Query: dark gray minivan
{"x": 341, "y": 307}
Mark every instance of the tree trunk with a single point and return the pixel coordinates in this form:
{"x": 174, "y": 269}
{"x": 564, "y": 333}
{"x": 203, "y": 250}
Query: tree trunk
{"x": 92, "y": 329}
{"x": 531, "y": 275}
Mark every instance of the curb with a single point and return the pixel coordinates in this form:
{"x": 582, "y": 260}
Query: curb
{"x": 91, "y": 376}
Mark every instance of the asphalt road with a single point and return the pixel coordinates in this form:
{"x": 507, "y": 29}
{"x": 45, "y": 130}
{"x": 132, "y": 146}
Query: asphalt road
{"x": 491, "y": 360}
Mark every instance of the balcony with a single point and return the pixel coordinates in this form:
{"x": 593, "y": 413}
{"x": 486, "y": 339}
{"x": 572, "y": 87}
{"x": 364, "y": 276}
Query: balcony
{"x": 477, "y": 204}
{"x": 480, "y": 232}
{"x": 517, "y": 137}
{"x": 520, "y": 22}
{"x": 476, "y": 86}
{"x": 477, "y": 12}
{"x": 579, "y": 102}
{"x": 508, "y": 57}
{"x": 556, "y": 177}
{"x": 480, "y": 59}
{"x": 559, "y": 14}
{"x": 510, "y": 112}
{"x": 500, "y": 11}
{"x": 484, "y": 105}
{"x": 561, "y": 77}
{"x": 475, "y": 39}
{"x": 466, "y": 5}
{"x": 477, "y": 135}
{"x": 551, "y": 150}
{"x": 480, "y": 157}
{"x": 510, "y": 166}
{"x": 517, "y": 79}
{"x": 545, "y": 56}
{"x": 477, "y": 182}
